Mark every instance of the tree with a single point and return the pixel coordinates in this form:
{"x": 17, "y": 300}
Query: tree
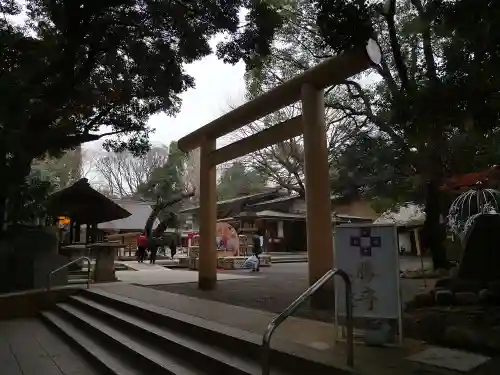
{"x": 429, "y": 53}
{"x": 123, "y": 174}
{"x": 165, "y": 179}
{"x": 74, "y": 66}
{"x": 191, "y": 175}
{"x": 297, "y": 47}
{"x": 66, "y": 170}
{"x": 430, "y": 50}
{"x": 237, "y": 179}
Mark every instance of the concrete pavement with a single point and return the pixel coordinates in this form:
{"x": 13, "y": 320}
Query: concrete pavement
{"x": 274, "y": 289}
{"x": 153, "y": 274}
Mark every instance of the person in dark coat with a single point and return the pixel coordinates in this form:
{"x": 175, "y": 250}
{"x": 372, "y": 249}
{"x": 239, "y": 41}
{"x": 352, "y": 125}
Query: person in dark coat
{"x": 153, "y": 250}
{"x": 256, "y": 250}
{"x": 173, "y": 249}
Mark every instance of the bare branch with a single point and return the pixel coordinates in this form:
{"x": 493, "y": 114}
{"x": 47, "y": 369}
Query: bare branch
{"x": 123, "y": 173}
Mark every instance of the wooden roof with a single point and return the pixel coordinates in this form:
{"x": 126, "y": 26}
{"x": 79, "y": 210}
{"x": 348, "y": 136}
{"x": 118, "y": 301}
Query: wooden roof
{"x": 85, "y": 205}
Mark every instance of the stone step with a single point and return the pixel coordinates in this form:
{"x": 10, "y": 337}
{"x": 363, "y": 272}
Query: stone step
{"x": 205, "y": 355}
{"x": 277, "y": 260}
{"x": 212, "y": 347}
{"x": 100, "y": 356}
{"x": 134, "y": 354}
{"x": 125, "y": 336}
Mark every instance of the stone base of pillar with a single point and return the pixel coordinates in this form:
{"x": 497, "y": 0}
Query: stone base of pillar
{"x": 207, "y": 283}
{"x": 324, "y": 298}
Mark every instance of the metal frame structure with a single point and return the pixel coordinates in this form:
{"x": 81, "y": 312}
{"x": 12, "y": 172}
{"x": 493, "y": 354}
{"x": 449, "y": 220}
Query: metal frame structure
{"x": 89, "y": 263}
{"x": 278, "y": 320}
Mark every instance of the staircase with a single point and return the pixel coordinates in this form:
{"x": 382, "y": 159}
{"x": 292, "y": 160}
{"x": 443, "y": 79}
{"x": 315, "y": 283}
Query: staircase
{"x": 80, "y": 276}
{"x": 123, "y": 336}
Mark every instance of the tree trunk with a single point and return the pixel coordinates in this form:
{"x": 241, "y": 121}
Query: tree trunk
{"x": 3, "y": 212}
{"x": 158, "y": 208}
{"x": 434, "y": 231}
{"x": 3, "y": 192}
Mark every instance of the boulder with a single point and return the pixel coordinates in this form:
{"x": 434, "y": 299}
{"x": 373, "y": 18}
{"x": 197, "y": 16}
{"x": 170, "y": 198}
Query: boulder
{"x": 486, "y": 297}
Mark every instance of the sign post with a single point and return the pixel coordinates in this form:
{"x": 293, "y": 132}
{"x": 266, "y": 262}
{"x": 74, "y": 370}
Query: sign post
{"x": 369, "y": 254}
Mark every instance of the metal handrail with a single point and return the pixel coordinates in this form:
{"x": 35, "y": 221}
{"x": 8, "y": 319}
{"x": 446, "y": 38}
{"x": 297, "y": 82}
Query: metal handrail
{"x": 49, "y": 278}
{"x": 276, "y": 322}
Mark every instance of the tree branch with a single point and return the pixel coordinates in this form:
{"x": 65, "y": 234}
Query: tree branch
{"x": 427, "y": 42}
{"x": 389, "y": 14}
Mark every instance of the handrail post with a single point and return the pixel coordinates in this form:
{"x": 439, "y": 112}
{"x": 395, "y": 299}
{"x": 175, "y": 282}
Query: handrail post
{"x": 88, "y": 273}
{"x": 350, "y": 317}
{"x": 49, "y": 277}
{"x": 266, "y": 338}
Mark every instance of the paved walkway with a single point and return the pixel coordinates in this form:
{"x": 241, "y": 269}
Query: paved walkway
{"x": 272, "y": 290}
{"x": 153, "y": 274}
{"x": 27, "y": 347}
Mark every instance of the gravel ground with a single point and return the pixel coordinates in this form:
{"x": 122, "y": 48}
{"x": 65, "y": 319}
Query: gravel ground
{"x": 277, "y": 287}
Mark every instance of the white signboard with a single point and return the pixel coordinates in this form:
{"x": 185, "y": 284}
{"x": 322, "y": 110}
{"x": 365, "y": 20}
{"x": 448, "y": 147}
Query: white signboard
{"x": 369, "y": 255}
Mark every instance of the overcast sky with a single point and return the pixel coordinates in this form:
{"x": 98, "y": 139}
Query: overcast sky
{"x": 218, "y": 86}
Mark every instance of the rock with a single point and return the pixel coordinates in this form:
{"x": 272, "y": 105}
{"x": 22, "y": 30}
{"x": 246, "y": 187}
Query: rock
{"x": 444, "y": 297}
{"x": 423, "y": 300}
{"x": 466, "y": 298}
{"x": 485, "y": 297}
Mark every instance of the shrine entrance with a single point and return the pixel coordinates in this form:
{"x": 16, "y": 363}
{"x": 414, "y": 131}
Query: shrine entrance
{"x": 309, "y": 89}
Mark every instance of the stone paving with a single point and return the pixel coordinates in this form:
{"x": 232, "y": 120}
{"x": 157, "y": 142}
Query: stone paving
{"x": 153, "y": 274}
{"x": 27, "y": 347}
{"x": 274, "y": 289}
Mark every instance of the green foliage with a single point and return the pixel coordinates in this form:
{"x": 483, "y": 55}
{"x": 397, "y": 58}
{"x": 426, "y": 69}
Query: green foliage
{"x": 166, "y": 180}
{"x": 62, "y": 171}
{"x": 429, "y": 110}
{"x": 74, "y": 66}
{"x": 237, "y": 179}
{"x": 431, "y": 50}
{"x": 28, "y": 203}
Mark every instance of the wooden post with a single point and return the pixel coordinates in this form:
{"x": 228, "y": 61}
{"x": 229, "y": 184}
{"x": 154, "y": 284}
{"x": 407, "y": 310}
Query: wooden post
{"x": 77, "y": 227}
{"x": 71, "y": 231}
{"x": 207, "y": 274}
{"x": 319, "y": 220}
{"x": 417, "y": 241}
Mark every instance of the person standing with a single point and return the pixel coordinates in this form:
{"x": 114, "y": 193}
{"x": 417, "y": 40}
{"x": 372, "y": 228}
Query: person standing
{"x": 142, "y": 245}
{"x": 256, "y": 250}
{"x": 152, "y": 256}
{"x": 173, "y": 249}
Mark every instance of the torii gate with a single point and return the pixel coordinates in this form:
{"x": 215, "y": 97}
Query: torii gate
{"x": 309, "y": 89}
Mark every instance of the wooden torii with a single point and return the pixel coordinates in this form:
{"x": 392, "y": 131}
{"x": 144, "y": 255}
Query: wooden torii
{"x": 309, "y": 89}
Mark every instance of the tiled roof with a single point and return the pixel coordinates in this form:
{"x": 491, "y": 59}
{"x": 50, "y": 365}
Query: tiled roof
{"x": 140, "y": 211}
{"x": 235, "y": 200}
{"x": 273, "y": 214}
